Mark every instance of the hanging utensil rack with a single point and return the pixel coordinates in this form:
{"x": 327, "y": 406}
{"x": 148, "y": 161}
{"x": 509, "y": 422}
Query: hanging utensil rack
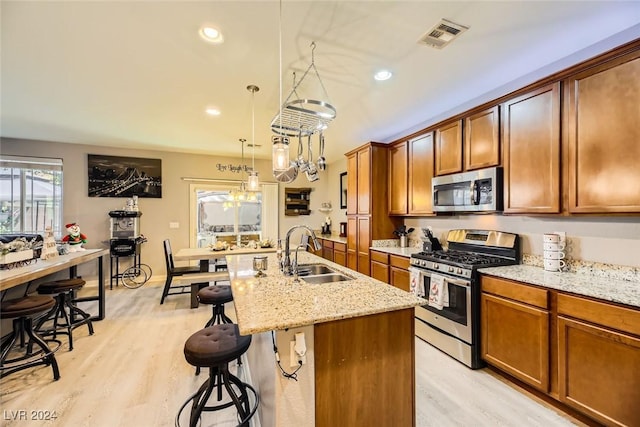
{"x": 303, "y": 116}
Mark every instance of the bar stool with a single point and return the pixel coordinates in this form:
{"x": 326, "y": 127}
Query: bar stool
{"x": 65, "y": 309}
{"x": 22, "y": 311}
{"x": 214, "y": 348}
{"x": 216, "y": 296}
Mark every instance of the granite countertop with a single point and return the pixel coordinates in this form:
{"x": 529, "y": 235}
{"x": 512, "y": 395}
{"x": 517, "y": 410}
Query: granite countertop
{"x": 406, "y": 252}
{"x": 620, "y": 291}
{"x": 332, "y": 237}
{"x": 276, "y": 302}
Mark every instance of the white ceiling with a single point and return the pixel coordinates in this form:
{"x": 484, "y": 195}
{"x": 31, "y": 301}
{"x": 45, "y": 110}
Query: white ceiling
{"x": 136, "y": 74}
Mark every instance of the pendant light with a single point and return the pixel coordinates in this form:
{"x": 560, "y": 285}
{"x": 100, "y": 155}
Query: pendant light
{"x": 280, "y": 153}
{"x": 253, "y": 184}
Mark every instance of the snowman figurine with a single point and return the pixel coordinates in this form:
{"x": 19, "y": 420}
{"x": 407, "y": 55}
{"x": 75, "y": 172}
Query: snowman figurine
{"x": 75, "y": 238}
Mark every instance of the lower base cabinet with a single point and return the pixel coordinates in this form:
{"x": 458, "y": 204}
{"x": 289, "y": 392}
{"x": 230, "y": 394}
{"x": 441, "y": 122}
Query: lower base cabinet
{"x": 399, "y": 272}
{"x": 599, "y": 367}
{"x": 596, "y": 345}
{"x": 515, "y": 331}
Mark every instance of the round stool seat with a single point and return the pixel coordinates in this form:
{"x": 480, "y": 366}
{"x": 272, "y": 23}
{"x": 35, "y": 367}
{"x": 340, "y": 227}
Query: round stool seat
{"x": 215, "y": 345}
{"x": 60, "y": 286}
{"x": 218, "y": 294}
{"x": 25, "y": 306}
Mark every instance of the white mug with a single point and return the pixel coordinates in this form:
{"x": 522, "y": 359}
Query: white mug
{"x": 553, "y": 246}
{"x": 551, "y": 238}
{"x": 554, "y": 255}
{"x": 554, "y": 264}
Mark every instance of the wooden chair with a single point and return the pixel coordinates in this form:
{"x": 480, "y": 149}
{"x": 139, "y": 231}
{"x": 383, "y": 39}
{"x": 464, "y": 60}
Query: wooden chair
{"x": 173, "y": 271}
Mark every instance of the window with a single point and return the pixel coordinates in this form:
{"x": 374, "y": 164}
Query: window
{"x": 30, "y": 195}
{"x": 215, "y": 216}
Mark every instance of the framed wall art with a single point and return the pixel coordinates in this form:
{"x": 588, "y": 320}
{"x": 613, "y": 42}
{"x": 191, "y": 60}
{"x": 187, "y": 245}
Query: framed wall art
{"x": 343, "y": 190}
{"x": 116, "y": 176}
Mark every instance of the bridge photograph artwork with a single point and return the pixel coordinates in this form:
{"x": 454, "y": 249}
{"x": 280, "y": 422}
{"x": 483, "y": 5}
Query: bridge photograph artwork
{"x": 116, "y": 176}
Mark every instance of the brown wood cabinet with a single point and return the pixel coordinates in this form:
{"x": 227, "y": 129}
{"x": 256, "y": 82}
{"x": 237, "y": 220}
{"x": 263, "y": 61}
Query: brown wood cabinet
{"x": 367, "y": 168}
{"x": 398, "y": 179}
{"x": 340, "y": 253}
{"x": 582, "y": 352}
{"x": 399, "y": 272}
{"x": 410, "y": 174}
{"x": 602, "y": 106}
{"x": 392, "y": 269}
{"x": 380, "y": 266}
{"x": 599, "y": 359}
{"x": 365, "y": 371}
{"x": 327, "y": 249}
{"x": 531, "y": 138}
{"x": 352, "y": 242}
{"x": 448, "y": 148}
{"x": 482, "y": 139}
{"x": 515, "y": 330}
{"x": 332, "y": 251}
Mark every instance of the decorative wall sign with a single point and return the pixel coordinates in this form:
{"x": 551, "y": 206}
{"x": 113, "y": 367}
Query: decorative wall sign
{"x": 115, "y": 176}
{"x": 233, "y": 168}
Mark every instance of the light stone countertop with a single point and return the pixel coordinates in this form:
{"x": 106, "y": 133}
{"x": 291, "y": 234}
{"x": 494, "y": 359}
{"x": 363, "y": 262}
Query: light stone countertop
{"x": 620, "y": 291}
{"x": 406, "y": 252}
{"x": 276, "y": 302}
{"x": 332, "y": 238}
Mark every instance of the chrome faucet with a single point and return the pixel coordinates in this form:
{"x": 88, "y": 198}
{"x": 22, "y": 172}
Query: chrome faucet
{"x": 285, "y": 265}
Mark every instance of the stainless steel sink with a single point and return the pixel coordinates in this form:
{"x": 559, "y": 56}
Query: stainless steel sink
{"x": 320, "y": 273}
{"x": 326, "y": 278}
{"x": 314, "y": 269}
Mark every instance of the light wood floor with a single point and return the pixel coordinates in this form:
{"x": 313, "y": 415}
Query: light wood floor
{"x": 132, "y": 372}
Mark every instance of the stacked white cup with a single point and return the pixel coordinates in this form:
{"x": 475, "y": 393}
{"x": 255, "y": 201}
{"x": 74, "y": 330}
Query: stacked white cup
{"x": 554, "y": 254}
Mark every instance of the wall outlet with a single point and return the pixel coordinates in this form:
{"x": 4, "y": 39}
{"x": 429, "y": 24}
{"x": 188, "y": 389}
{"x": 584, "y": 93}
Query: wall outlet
{"x": 174, "y": 225}
{"x": 294, "y": 357}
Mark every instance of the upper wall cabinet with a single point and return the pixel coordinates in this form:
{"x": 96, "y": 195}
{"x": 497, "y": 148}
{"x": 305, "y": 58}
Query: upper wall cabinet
{"x": 448, "y": 148}
{"x": 481, "y": 139}
{"x": 410, "y": 173}
{"x": 531, "y": 143}
{"x": 398, "y": 179}
{"x": 420, "y": 174}
{"x": 603, "y": 137}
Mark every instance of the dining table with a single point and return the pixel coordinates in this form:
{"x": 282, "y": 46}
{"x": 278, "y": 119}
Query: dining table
{"x": 206, "y": 255}
{"x": 39, "y": 268}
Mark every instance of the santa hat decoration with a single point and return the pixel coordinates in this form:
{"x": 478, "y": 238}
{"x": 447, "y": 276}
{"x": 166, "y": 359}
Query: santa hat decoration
{"x": 70, "y": 225}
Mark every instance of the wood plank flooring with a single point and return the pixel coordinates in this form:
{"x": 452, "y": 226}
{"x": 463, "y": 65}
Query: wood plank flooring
{"x": 132, "y": 372}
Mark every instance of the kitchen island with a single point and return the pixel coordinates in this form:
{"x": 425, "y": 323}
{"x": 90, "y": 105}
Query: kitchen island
{"x": 359, "y": 336}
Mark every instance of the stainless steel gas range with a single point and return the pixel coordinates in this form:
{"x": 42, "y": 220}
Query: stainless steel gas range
{"x": 449, "y": 280}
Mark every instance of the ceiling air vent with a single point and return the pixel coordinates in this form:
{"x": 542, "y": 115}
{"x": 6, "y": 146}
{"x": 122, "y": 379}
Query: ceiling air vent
{"x": 443, "y": 33}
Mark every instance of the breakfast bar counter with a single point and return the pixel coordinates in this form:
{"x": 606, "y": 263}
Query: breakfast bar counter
{"x": 358, "y": 369}
{"x": 277, "y": 302}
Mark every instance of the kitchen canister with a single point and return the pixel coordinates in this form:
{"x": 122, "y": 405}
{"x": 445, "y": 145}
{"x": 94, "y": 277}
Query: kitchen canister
{"x": 554, "y": 245}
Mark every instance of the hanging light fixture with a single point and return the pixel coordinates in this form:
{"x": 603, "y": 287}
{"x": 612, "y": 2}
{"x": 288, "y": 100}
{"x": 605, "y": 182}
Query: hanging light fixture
{"x": 253, "y": 183}
{"x": 280, "y": 153}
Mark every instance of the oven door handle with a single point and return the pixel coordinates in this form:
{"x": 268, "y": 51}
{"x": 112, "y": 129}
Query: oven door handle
{"x": 453, "y": 281}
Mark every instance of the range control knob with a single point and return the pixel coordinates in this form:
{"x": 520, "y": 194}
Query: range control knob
{"x": 450, "y": 269}
{"x": 436, "y": 266}
{"x": 459, "y": 271}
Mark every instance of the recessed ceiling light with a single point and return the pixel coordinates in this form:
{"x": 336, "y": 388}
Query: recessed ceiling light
{"x": 382, "y": 75}
{"x": 212, "y": 111}
{"x": 211, "y": 34}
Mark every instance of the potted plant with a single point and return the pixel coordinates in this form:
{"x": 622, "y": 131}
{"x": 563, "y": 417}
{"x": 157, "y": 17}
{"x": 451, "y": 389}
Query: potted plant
{"x": 402, "y": 233}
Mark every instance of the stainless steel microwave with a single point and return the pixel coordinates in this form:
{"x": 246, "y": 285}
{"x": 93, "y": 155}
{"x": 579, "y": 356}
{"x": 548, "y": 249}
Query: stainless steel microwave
{"x": 475, "y": 191}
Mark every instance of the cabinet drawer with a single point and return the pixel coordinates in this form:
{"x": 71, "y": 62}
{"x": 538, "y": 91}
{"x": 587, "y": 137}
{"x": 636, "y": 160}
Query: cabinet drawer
{"x": 327, "y": 243}
{"x": 380, "y": 257}
{"x": 399, "y": 261}
{"x": 339, "y": 247}
{"x": 515, "y": 291}
{"x": 615, "y": 317}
